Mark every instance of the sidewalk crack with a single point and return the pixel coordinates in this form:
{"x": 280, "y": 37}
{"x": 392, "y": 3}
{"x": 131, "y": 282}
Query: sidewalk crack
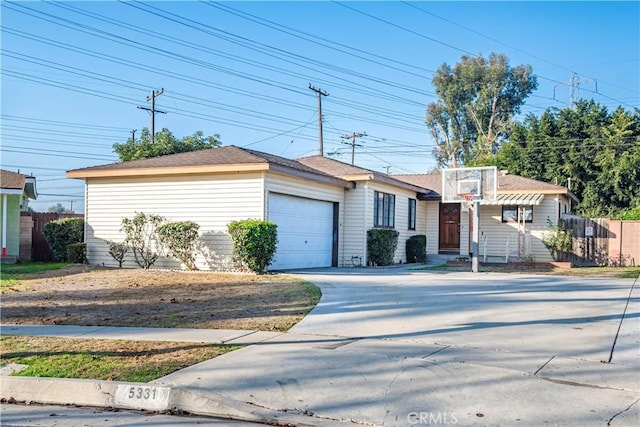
{"x": 622, "y": 412}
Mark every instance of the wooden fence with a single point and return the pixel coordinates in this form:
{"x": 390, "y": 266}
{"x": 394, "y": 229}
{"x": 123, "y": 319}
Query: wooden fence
{"x": 603, "y": 241}
{"x": 39, "y": 246}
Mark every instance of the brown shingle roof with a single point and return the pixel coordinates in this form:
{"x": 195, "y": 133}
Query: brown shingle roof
{"x": 432, "y": 181}
{"x": 225, "y": 159}
{"x": 351, "y": 173}
{"x": 218, "y": 156}
{"x": 12, "y": 180}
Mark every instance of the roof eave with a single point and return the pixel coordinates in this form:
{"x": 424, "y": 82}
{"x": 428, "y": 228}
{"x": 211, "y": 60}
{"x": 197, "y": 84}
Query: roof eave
{"x": 164, "y": 171}
{"x": 327, "y": 179}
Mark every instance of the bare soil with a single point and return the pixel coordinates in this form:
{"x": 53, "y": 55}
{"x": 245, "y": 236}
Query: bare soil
{"x": 89, "y": 296}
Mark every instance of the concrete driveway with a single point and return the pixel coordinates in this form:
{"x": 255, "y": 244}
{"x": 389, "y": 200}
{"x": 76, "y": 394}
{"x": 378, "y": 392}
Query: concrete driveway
{"x": 401, "y": 347}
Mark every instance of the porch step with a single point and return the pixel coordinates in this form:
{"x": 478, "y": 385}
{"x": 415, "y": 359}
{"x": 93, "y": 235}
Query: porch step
{"x": 437, "y": 259}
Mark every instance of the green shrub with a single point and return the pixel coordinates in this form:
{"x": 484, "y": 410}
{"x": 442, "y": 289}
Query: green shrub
{"x": 77, "y": 253}
{"x": 118, "y": 251}
{"x": 417, "y": 249}
{"x": 381, "y": 246}
{"x": 142, "y": 237}
{"x": 631, "y": 214}
{"x": 180, "y": 238}
{"x": 254, "y": 243}
{"x": 61, "y": 233}
{"x": 558, "y": 241}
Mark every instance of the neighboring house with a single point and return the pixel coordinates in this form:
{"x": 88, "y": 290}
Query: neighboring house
{"x": 511, "y": 227}
{"x": 15, "y": 188}
{"x": 323, "y": 207}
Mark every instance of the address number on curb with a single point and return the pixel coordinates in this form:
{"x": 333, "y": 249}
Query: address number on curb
{"x": 143, "y": 397}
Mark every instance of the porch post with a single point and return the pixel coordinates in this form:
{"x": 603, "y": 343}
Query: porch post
{"x": 4, "y": 225}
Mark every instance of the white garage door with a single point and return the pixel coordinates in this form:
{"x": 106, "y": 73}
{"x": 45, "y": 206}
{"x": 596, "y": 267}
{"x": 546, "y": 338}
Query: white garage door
{"x": 305, "y": 232}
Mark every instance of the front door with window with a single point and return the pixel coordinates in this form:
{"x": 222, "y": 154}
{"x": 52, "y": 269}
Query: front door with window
{"x": 450, "y": 227}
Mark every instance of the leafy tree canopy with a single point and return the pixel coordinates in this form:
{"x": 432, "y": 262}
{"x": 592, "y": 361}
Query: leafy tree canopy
{"x": 478, "y": 97}
{"x": 597, "y": 150}
{"x": 164, "y": 143}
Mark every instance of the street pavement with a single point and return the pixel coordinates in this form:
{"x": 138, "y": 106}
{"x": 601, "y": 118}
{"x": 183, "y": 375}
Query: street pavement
{"x": 12, "y": 415}
{"x": 397, "y": 347}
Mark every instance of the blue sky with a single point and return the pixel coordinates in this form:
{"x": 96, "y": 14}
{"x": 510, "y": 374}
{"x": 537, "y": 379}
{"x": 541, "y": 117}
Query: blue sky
{"x": 73, "y": 74}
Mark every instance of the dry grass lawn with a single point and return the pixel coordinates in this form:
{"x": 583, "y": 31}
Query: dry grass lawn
{"x": 84, "y": 295}
{"x": 90, "y": 296}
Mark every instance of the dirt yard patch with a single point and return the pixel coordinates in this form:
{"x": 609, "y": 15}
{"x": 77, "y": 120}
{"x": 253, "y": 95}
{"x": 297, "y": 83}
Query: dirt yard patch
{"x": 84, "y": 295}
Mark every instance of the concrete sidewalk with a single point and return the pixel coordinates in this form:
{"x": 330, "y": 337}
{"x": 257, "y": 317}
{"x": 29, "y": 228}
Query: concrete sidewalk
{"x": 214, "y": 336}
{"x": 401, "y": 348}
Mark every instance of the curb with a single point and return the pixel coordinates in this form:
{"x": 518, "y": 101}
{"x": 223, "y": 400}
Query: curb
{"x": 143, "y": 396}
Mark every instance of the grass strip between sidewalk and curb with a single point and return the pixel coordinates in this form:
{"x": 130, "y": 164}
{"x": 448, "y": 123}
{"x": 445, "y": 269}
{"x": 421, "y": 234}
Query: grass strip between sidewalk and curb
{"x": 113, "y": 360}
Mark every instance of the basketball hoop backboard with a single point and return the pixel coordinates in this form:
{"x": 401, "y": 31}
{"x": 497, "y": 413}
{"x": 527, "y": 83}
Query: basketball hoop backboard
{"x": 460, "y": 184}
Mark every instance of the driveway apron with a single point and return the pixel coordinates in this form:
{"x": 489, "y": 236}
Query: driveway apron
{"x": 403, "y": 347}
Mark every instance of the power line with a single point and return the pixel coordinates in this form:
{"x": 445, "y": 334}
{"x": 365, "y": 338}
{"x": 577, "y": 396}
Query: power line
{"x": 405, "y": 29}
{"x": 61, "y": 123}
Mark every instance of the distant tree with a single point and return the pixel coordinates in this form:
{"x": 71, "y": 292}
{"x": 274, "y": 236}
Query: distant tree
{"x": 164, "y": 143}
{"x": 598, "y": 150}
{"x": 59, "y": 208}
{"x": 478, "y": 98}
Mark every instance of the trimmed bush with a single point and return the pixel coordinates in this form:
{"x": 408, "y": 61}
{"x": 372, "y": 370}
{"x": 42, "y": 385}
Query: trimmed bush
{"x": 417, "y": 249}
{"x": 118, "y": 251}
{"x": 381, "y": 246}
{"x": 142, "y": 237}
{"x": 180, "y": 238}
{"x": 61, "y": 233}
{"x": 77, "y": 253}
{"x": 254, "y": 243}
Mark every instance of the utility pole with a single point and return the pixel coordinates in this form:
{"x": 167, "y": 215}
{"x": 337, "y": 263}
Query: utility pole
{"x": 152, "y": 98}
{"x": 387, "y": 167}
{"x": 320, "y": 94}
{"x": 574, "y": 83}
{"x": 133, "y": 135}
{"x": 353, "y": 144}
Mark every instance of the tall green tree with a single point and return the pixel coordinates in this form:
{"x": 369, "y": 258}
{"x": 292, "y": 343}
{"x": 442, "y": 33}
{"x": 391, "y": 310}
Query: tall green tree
{"x": 478, "y": 98}
{"x": 164, "y": 143}
{"x": 595, "y": 151}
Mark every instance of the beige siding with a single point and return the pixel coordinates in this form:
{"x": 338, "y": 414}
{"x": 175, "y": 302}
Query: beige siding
{"x": 210, "y": 201}
{"x": 465, "y": 230}
{"x": 355, "y": 232}
{"x": 522, "y": 242}
{"x": 401, "y": 215}
{"x": 283, "y": 184}
{"x": 433, "y": 226}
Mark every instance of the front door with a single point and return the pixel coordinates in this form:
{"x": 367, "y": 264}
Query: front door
{"x": 450, "y": 227}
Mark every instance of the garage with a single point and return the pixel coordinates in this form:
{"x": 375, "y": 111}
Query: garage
{"x": 305, "y": 232}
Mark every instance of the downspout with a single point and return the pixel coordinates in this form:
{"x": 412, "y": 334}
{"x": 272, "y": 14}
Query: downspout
{"x": 4, "y": 225}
